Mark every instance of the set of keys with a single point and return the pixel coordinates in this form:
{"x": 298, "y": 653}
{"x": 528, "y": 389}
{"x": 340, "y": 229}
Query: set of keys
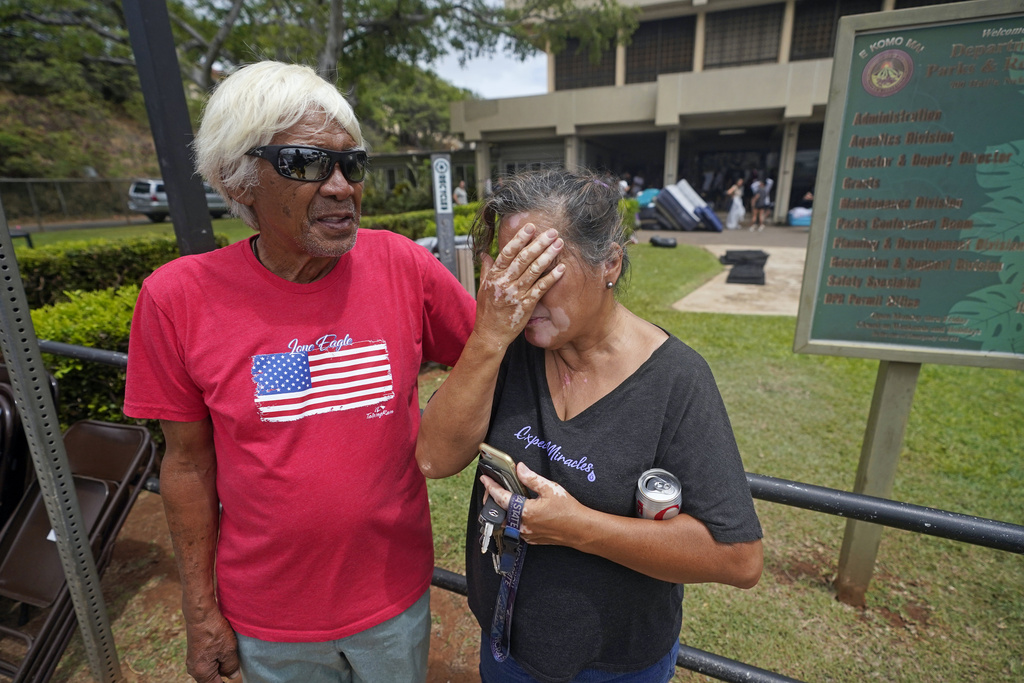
{"x": 492, "y": 516}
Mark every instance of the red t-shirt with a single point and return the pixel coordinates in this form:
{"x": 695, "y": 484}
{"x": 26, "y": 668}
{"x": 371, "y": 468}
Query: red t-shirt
{"x": 312, "y": 390}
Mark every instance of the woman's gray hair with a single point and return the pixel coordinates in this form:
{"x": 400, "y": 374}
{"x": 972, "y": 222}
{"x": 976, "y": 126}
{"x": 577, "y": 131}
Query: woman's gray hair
{"x": 585, "y": 206}
{"x": 251, "y": 106}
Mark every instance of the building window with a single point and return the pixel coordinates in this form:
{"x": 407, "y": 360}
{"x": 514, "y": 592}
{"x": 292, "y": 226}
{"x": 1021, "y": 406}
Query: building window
{"x": 815, "y": 24}
{"x": 573, "y": 68}
{"x": 660, "y": 47}
{"x": 743, "y": 36}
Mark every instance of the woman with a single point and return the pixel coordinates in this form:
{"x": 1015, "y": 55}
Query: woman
{"x": 761, "y": 202}
{"x": 586, "y": 396}
{"x": 736, "y": 210}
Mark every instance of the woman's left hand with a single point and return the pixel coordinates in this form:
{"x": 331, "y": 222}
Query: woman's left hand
{"x": 548, "y": 519}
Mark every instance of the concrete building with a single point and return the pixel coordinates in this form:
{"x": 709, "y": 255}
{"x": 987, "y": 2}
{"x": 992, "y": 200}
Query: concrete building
{"x": 707, "y": 90}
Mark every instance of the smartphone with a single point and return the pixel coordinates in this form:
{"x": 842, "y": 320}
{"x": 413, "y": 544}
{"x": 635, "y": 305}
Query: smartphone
{"x": 501, "y": 468}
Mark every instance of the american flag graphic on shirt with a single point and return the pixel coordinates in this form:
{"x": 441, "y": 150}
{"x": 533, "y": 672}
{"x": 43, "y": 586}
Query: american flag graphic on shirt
{"x": 291, "y": 386}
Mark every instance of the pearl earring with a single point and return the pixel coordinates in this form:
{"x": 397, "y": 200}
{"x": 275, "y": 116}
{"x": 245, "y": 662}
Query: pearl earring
{"x": 609, "y": 284}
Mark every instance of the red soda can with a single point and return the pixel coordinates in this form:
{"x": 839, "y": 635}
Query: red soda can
{"x": 658, "y": 495}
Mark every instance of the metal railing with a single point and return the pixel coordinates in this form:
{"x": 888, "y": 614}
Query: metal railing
{"x": 906, "y": 516}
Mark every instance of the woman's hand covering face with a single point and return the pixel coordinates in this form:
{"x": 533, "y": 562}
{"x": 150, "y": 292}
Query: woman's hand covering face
{"x": 513, "y": 283}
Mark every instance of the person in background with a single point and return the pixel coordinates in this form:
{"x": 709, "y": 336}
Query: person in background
{"x": 283, "y": 370}
{"x": 638, "y": 185}
{"x": 760, "y": 202}
{"x": 460, "y": 195}
{"x": 586, "y": 396}
{"x": 736, "y": 210}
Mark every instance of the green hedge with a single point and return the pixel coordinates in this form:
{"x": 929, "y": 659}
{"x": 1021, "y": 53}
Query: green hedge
{"x": 48, "y": 272}
{"x": 417, "y": 224}
{"x": 101, "y": 320}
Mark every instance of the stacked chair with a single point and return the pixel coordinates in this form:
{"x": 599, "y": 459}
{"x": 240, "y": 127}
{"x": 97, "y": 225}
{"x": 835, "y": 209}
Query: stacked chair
{"x": 109, "y": 464}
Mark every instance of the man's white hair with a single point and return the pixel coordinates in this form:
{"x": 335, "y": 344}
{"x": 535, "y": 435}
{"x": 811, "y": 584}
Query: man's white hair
{"x": 250, "y": 107}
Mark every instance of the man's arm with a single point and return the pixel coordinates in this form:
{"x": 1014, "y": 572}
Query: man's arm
{"x": 188, "y": 486}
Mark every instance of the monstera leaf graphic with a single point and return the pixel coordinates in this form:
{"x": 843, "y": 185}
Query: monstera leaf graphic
{"x": 991, "y": 311}
{"x": 1006, "y": 178}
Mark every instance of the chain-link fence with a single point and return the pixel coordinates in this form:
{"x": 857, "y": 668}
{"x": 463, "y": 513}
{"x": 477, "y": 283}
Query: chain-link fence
{"x": 31, "y": 203}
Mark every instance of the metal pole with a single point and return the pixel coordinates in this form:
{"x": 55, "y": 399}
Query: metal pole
{"x": 441, "y": 171}
{"x": 35, "y": 206}
{"x": 114, "y": 358}
{"x": 149, "y": 28}
{"x": 60, "y": 198}
{"x": 42, "y": 427}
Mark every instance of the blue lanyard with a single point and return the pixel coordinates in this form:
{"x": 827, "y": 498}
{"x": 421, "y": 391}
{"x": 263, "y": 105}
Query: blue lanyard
{"x": 513, "y": 553}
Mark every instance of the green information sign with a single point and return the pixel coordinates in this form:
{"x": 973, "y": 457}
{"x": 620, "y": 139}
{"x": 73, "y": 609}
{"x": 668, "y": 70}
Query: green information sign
{"x": 918, "y": 254}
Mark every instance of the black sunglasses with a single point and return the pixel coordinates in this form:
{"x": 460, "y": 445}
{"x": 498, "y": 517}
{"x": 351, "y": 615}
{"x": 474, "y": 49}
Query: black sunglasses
{"x": 312, "y": 164}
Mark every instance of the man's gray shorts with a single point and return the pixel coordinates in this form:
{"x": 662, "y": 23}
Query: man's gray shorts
{"x": 395, "y": 650}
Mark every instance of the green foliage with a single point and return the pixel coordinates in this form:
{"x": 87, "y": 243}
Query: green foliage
{"x": 377, "y": 35}
{"x": 463, "y": 223}
{"x": 409, "y": 109}
{"x": 60, "y": 135}
{"x": 597, "y": 26}
{"x": 48, "y": 272}
{"x": 101, "y": 320}
{"x": 406, "y": 196}
{"x": 416, "y": 224}
{"x": 629, "y": 209}
{"x": 66, "y": 46}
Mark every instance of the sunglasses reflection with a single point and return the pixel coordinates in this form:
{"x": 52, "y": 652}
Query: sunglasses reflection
{"x": 293, "y": 164}
{"x": 312, "y": 164}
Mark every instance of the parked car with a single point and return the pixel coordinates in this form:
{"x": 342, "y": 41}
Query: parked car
{"x": 148, "y": 196}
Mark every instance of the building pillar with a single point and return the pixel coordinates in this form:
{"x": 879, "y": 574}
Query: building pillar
{"x": 620, "y": 64}
{"x": 786, "y": 39}
{"x": 572, "y": 152}
{"x": 482, "y": 156}
{"x": 671, "y": 157}
{"x": 787, "y": 163}
{"x": 698, "y": 41}
{"x": 888, "y": 5}
{"x": 551, "y": 68}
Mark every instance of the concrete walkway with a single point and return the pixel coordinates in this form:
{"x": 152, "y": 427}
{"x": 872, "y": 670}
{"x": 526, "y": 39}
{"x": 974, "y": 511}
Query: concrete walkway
{"x": 786, "y": 247}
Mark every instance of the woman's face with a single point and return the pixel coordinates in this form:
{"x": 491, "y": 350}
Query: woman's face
{"x": 574, "y": 304}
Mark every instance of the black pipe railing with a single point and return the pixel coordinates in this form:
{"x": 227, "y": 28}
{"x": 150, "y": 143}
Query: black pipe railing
{"x": 115, "y": 358}
{"x": 923, "y": 520}
{"x": 906, "y": 516}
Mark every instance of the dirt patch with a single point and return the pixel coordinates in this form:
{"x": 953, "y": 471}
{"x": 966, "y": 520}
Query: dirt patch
{"x": 815, "y": 567}
{"x": 454, "y": 640}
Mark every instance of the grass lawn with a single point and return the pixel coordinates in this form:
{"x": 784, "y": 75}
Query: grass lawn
{"x": 937, "y": 610}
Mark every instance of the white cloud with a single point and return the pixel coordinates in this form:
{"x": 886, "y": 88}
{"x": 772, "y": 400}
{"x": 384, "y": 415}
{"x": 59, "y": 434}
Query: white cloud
{"x": 498, "y": 76}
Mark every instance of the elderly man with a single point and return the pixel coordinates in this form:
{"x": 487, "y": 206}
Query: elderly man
{"x": 283, "y": 370}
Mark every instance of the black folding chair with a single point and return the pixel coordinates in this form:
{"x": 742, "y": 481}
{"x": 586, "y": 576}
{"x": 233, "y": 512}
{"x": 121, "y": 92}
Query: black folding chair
{"x": 109, "y": 464}
{"x": 16, "y": 471}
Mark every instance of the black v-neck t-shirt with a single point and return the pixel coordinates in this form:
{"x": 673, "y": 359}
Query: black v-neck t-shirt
{"x": 574, "y": 610}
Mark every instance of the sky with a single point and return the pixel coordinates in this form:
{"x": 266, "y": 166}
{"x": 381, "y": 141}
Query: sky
{"x": 498, "y": 76}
